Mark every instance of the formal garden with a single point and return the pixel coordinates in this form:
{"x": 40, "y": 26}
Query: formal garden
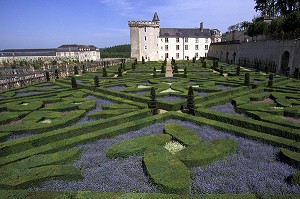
{"x": 213, "y": 130}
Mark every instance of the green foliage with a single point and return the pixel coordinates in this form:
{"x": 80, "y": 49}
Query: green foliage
{"x": 104, "y": 73}
{"x": 153, "y": 102}
{"x": 47, "y": 76}
{"x": 167, "y": 172}
{"x": 154, "y": 73}
{"x": 190, "y": 101}
{"x": 137, "y": 146}
{"x": 185, "y": 74}
{"x": 76, "y": 70}
{"x": 163, "y": 68}
{"x": 143, "y": 60}
{"x": 206, "y": 152}
{"x": 120, "y": 51}
{"x": 292, "y": 111}
{"x": 96, "y": 81}
{"x": 120, "y": 72}
{"x": 182, "y": 134}
{"x": 247, "y": 79}
{"x": 289, "y": 157}
{"x": 73, "y": 83}
{"x": 238, "y": 70}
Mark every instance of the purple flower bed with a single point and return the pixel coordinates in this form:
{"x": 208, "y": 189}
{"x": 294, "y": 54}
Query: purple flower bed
{"x": 116, "y": 88}
{"x": 171, "y": 98}
{"x": 99, "y": 103}
{"x": 53, "y": 87}
{"x": 140, "y": 93}
{"x": 200, "y": 93}
{"x": 253, "y": 169}
{"x": 28, "y": 93}
{"x": 14, "y": 137}
{"x": 224, "y": 87}
{"x": 227, "y": 108}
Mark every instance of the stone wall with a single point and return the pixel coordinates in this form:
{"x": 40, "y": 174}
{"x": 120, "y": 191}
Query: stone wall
{"x": 281, "y": 57}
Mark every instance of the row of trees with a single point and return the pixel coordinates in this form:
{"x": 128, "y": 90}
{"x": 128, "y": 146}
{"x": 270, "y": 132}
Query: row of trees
{"x": 285, "y": 26}
{"x": 276, "y": 7}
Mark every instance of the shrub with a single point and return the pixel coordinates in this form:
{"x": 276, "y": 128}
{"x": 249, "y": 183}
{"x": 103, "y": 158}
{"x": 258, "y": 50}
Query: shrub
{"x": 153, "y": 102}
{"x": 76, "y": 70}
{"x": 182, "y": 134}
{"x": 47, "y": 76}
{"x": 96, "y": 81}
{"x": 73, "y": 83}
{"x": 238, "y": 70}
{"x": 104, "y": 72}
{"x": 247, "y": 79}
{"x": 154, "y": 72}
{"x": 143, "y": 60}
{"x": 185, "y": 74}
{"x": 270, "y": 82}
{"x": 120, "y": 72}
{"x": 190, "y": 101}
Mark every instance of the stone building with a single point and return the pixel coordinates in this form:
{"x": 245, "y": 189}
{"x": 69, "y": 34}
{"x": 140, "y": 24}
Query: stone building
{"x": 153, "y": 43}
{"x": 64, "y": 52}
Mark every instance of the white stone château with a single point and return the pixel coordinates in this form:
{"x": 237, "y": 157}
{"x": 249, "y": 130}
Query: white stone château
{"x": 153, "y": 43}
{"x": 69, "y": 52}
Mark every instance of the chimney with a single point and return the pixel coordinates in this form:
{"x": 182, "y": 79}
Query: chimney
{"x": 201, "y": 26}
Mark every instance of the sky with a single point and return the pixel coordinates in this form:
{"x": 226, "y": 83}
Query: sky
{"x": 104, "y": 23}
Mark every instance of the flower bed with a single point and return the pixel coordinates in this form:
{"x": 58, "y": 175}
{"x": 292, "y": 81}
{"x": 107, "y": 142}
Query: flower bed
{"x": 253, "y": 169}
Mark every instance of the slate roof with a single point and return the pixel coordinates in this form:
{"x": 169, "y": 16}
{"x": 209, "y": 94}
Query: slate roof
{"x": 184, "y": 32}
{"x": 155, "y": 17}
{"x": 74, "y": 47}
{"x": 28, "y": 52}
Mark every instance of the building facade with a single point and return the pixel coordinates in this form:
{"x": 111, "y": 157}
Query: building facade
{"x": 153, "y": 43}
{"x": 65, "y": 52}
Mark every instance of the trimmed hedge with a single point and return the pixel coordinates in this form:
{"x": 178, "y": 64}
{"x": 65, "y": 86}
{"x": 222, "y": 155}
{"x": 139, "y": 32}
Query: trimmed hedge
{"x": 14, "y": 178}
{"x": 32, "y": 123}
{"x": 7, "y": 117}
{"x": 27, "y": 143}
{"x": 137, "y": 146}
{"x": 289, "y": 157}
{"x": 255, "y": 125}
{"x": 182, "y": 134}
{"x": 206, "y": 152}
{"x": 167, "y": 172}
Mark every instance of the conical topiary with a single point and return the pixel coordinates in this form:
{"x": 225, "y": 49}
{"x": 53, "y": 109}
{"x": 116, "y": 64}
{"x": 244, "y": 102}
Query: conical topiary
{"x": 238, "y": 70}
{"x": 185, "y": 74}
{"x": 104, "y": 72}
{"x": 153, "y": 102}
{"x": 270, "y": 82}
{"x": 73, "y": 83}
{"x": 96, "y": 81}
{"x": 163, "y": 69}
{"x": 190, "y": 101}
{"x": 120, "y": 72}
{"x": 47, "y": 76}
{"x": 247, "y": 79}
{"x": 76, "y": 70}
{"x": 154, "y": 72}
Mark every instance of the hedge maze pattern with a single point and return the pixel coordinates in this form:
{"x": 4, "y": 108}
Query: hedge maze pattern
{"x": 46, "y": 128}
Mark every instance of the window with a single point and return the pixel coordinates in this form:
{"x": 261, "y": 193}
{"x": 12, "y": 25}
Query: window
{"x": 166, "y": 47}
{"x": 186, "y": 47}
{"x": 145, "y": 38}
{"x": 177, "y": 55}
{"x": 145, "y": 47}
{"x": 177, "y": 47}
{"x": 177, "y": 40}
{"x": 167, "y": 55}
{"x": 205, "y": 54}
{"x": 196, "y": 47}
{"x": 145, "y": 29}
{"x": 196, "y": 55}
{"x": 206, "y": 47}
{"x": 186, "y": 39}
{"x": 166, "y": 40}
{"x": 197, "y": 40}
{"x": 206, "y": 40}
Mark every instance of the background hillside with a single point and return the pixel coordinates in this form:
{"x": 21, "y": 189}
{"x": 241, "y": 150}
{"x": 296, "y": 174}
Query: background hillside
{"x": 120, "y": 51}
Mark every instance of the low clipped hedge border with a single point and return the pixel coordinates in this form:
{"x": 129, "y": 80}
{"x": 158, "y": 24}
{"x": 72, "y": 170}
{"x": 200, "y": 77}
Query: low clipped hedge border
{"x": 255, "y": 125}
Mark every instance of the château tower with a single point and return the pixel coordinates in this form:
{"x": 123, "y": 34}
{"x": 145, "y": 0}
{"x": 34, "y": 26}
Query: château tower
{"x": 144, "y": 37}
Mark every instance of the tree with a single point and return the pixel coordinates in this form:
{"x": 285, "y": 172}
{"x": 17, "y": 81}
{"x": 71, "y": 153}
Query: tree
{"x": 238, "y": 70}
{"x": 185, "y": 74}
{"x": 56, "y": 73}
{"x": 83, "y": 69}
{"x": 120, "y": 72}
{"x": 175, "y": 68}
{"x": 75, "y": 70}
{"x": 153, "y": 102}
{"x": 96, "y": 81}
{"x": 47, "y": 76}
{"x": 266, "y": 7}
{"x": 247, "y": 79}
{"x": 154, "y": 72}
{"x": 104, "y": 72}
{"x": 190, "y": 101}
{"x": 270, "y": 82}
{"x": 163, "y": 70}
{"x": 73, "y": 83}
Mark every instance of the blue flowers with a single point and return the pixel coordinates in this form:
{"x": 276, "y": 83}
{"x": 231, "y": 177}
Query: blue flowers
{"x": 253, "y": 169}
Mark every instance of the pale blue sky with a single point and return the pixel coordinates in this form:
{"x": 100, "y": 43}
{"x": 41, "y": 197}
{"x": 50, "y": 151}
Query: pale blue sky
{"x": 50, "y": 23}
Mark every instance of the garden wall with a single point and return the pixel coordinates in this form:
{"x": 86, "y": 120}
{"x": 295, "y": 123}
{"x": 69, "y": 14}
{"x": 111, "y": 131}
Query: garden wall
{"x": 277, "y": 55}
